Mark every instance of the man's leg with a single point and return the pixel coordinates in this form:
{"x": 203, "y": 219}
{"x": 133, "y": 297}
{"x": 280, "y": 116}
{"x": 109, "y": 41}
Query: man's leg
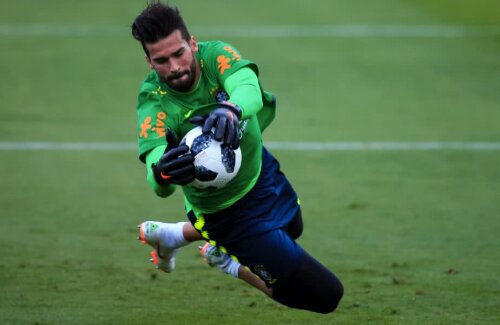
{"x": 215, "y": 257}
{"x": 190, "y": 233}
{"x": 167, "y": 238}
{"x": 254, "y": 281}
{"x": 281, "y": 269}
{"x": 310, "y": 286}
{"x": 297, "y": 280}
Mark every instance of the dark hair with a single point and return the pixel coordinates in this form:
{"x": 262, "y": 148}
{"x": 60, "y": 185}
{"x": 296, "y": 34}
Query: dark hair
{"x": 156, "y": 22}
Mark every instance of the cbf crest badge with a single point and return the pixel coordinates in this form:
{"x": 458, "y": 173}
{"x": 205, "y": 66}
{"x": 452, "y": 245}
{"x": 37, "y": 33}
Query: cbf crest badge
{"x": 221, "y": 96}
{"x": 264, "y": 274}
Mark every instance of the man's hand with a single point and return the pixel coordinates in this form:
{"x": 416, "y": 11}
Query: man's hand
{"x": 176, "y": 165}
{"x": 225, "y": 120}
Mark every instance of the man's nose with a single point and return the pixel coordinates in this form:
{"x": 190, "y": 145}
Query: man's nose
{"x": 174, "y": 66}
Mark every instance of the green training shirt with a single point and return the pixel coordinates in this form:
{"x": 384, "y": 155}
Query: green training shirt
{"x": 160, "y": 107}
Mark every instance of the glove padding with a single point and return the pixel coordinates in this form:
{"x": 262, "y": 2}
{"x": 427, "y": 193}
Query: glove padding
{"x": 225, "y": 120}
{"x": 176, "y": 165}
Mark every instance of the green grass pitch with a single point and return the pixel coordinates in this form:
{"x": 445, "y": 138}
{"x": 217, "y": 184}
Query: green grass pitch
{"x": 413, "y": 234}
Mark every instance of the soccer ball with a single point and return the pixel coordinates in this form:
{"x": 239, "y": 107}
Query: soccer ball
{"x": 215, "y": 163}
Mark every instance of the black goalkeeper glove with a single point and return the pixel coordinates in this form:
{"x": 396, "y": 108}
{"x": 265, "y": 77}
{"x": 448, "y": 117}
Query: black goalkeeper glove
{"x": 226, "y": 120}
{"x": 176, "y": 165}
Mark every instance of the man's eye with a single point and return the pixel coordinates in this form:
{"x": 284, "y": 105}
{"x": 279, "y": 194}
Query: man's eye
{"x": 160, "y": 61}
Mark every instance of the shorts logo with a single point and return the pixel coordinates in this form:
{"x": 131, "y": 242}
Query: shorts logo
{"x": 264, "y": 274}
{"x": 159, "y": 127}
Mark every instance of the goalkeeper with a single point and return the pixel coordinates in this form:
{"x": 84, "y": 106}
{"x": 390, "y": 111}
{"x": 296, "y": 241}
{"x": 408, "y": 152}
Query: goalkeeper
{"x": 257, "y": 217}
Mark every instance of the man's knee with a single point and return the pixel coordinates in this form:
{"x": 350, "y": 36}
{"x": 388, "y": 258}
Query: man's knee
{"x": 311, "y": 287}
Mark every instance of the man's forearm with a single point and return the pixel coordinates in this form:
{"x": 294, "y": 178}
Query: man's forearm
{"x": 244, "y": 90}
{"x": 151, "y": 158}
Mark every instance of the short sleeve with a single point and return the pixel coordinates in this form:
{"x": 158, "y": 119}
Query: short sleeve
{"x": 153, "y": 121}
{"x": 224, "y": 59}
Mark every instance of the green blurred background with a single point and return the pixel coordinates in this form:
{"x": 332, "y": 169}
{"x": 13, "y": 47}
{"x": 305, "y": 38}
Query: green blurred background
{"x": 413, "y": 234}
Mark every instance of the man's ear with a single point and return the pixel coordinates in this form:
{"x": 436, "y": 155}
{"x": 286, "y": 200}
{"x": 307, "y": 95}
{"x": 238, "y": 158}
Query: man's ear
{"x": 193, "y": 44}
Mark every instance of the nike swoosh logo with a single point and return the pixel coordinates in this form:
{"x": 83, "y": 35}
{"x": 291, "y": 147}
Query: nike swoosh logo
{"x": 165, "y": 177}
{"x": 188, "y": 114}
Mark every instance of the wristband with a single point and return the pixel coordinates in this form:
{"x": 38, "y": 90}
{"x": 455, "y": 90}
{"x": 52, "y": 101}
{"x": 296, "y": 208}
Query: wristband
{"x": 233, "y": 108}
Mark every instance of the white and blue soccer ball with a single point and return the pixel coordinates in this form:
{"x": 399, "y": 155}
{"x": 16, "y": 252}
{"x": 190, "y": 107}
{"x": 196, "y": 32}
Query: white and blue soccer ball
{"x": 215, "y": 163}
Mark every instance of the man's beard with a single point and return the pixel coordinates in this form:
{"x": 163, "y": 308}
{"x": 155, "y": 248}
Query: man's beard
{"x": 184, "y": 86}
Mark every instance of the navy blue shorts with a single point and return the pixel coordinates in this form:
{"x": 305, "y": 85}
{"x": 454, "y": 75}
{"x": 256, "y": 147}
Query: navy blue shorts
{"x": 253, "y": 229}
